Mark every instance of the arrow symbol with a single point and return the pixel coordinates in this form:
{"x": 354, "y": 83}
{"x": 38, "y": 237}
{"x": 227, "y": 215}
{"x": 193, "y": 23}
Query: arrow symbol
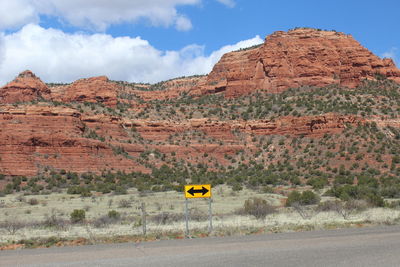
{"x": 193, "y": 191}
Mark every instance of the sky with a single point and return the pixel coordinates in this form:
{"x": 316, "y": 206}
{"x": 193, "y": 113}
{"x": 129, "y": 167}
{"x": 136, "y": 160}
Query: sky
{"x": 155, "y": 40}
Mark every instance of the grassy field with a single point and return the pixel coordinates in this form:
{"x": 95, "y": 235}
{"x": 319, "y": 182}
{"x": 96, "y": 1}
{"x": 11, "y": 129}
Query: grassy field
{"x": 48, "y": 216}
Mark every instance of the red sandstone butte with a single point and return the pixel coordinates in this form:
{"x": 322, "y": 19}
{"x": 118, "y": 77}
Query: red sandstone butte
{"x": 95, "y": 89}
{"x": 299, "y": 57}
{"x": 25, "y": 87}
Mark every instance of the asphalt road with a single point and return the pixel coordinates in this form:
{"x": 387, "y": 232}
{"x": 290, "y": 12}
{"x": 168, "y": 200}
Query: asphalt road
{"x": 348, "y": 247}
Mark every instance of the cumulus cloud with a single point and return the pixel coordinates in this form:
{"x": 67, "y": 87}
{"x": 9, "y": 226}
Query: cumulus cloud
{"x": 228, "y": 3}
{"x": 16, "y": 13}
{"x": 391, "y": 53}
{"x": 95, "y": 14}
{"x": 183, "y": 23}
{"x": 56, "y": 56}
{"x": 98, "y": 15}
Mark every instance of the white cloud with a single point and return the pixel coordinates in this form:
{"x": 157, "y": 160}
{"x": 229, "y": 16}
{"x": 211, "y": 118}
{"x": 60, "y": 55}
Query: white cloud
{"x": 98, "y": 15}
{"x": 16, "y": 13}
{"x": 228, "y": 3}
{"x": 56, "y": 56}
{"x": 183, "y": 23}
{"x": 95, "y": 14}
{"x": 391, "y": 53}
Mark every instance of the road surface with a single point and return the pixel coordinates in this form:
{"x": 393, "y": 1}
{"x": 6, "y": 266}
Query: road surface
{"x": 348, "y": 247}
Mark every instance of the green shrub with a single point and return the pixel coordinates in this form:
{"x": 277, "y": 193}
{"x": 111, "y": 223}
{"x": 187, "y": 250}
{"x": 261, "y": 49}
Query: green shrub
{"x": 318, "y": 182}
{"x": 237, "y": 187}
{"x": 309, "y": 198}
{"x": 78, "y": 216}
{"x": 306, "y": 198}
{"x": 357, "y": 192}
{"x": 293, "y": 197}
{"x": 113, "y": 214}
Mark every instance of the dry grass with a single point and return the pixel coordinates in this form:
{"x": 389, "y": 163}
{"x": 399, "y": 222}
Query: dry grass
{"x": 56, "y": 208}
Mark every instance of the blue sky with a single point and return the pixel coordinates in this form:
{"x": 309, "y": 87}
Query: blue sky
{"x": 153, "y": 40}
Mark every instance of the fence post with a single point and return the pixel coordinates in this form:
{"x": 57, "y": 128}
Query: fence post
{"x": 143, "y": 208}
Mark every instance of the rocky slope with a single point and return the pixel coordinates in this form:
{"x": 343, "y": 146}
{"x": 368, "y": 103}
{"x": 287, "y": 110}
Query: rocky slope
{"x": 35, "y": 138}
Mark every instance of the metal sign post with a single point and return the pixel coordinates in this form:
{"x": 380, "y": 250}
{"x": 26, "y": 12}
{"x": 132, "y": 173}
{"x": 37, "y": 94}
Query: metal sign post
{"x": 210, "y": 228}
{"x": 186, "y": 218}
{"x": 197, "y": 191}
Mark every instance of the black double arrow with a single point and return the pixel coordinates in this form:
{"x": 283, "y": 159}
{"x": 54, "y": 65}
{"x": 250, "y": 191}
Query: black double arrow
{"x": 193, "y": 191}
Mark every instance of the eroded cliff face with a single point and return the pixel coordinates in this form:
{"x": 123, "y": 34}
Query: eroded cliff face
{"x": 301, "y": 57}
{"x": 36, "y": 137}
{"x": 33, "y": 138}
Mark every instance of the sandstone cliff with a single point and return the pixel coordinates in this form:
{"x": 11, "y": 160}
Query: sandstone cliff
{"x": 297, "y": 58}
{"x": 33, "y": 138}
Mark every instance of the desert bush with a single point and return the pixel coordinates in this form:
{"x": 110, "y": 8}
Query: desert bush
{"x": 345, "y": 209}
{"x": 350, "y": 192}
{"x": 78, "y": 216}
{"x": 166, "y": 218}
{"x": 393, "y": 204}
{"x": 54, "y": 221}
{"x": 102, "y": 221}
{"x": 124, "y": 203}
{"x": 318, "y": 182}
{"x": 256, "y": 207}
{"x": 198, "y": 215}
{"x": 33, "y": 201}
{"x": 12, "y": 226}
{"x": 309, "y": 198}
{"x": 330, "y": 205}
{"x": 113, "y": 214}
{"x": 303, "y": 199}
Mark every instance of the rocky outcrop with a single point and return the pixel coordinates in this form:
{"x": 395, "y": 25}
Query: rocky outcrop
{"x": 95, "y": 90}
{"x": 173, "y": 89}
{"x": 26, "y": 87}
{"x": 315, "y": 126}
{"x": 300, "y": 57}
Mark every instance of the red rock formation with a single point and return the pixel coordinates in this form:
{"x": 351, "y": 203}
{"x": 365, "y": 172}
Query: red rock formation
{"x": 297, "y": 58}
{"x": 26, "y": 87}
{"x": 95, "y": 89}
{"x": 33, "y": 138}
{"x": 315, "y": 126}
{"x": 173, "y": 89}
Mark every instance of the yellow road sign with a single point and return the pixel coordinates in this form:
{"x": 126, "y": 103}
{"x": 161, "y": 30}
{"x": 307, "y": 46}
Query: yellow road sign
{"x": 197, "y": 190}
